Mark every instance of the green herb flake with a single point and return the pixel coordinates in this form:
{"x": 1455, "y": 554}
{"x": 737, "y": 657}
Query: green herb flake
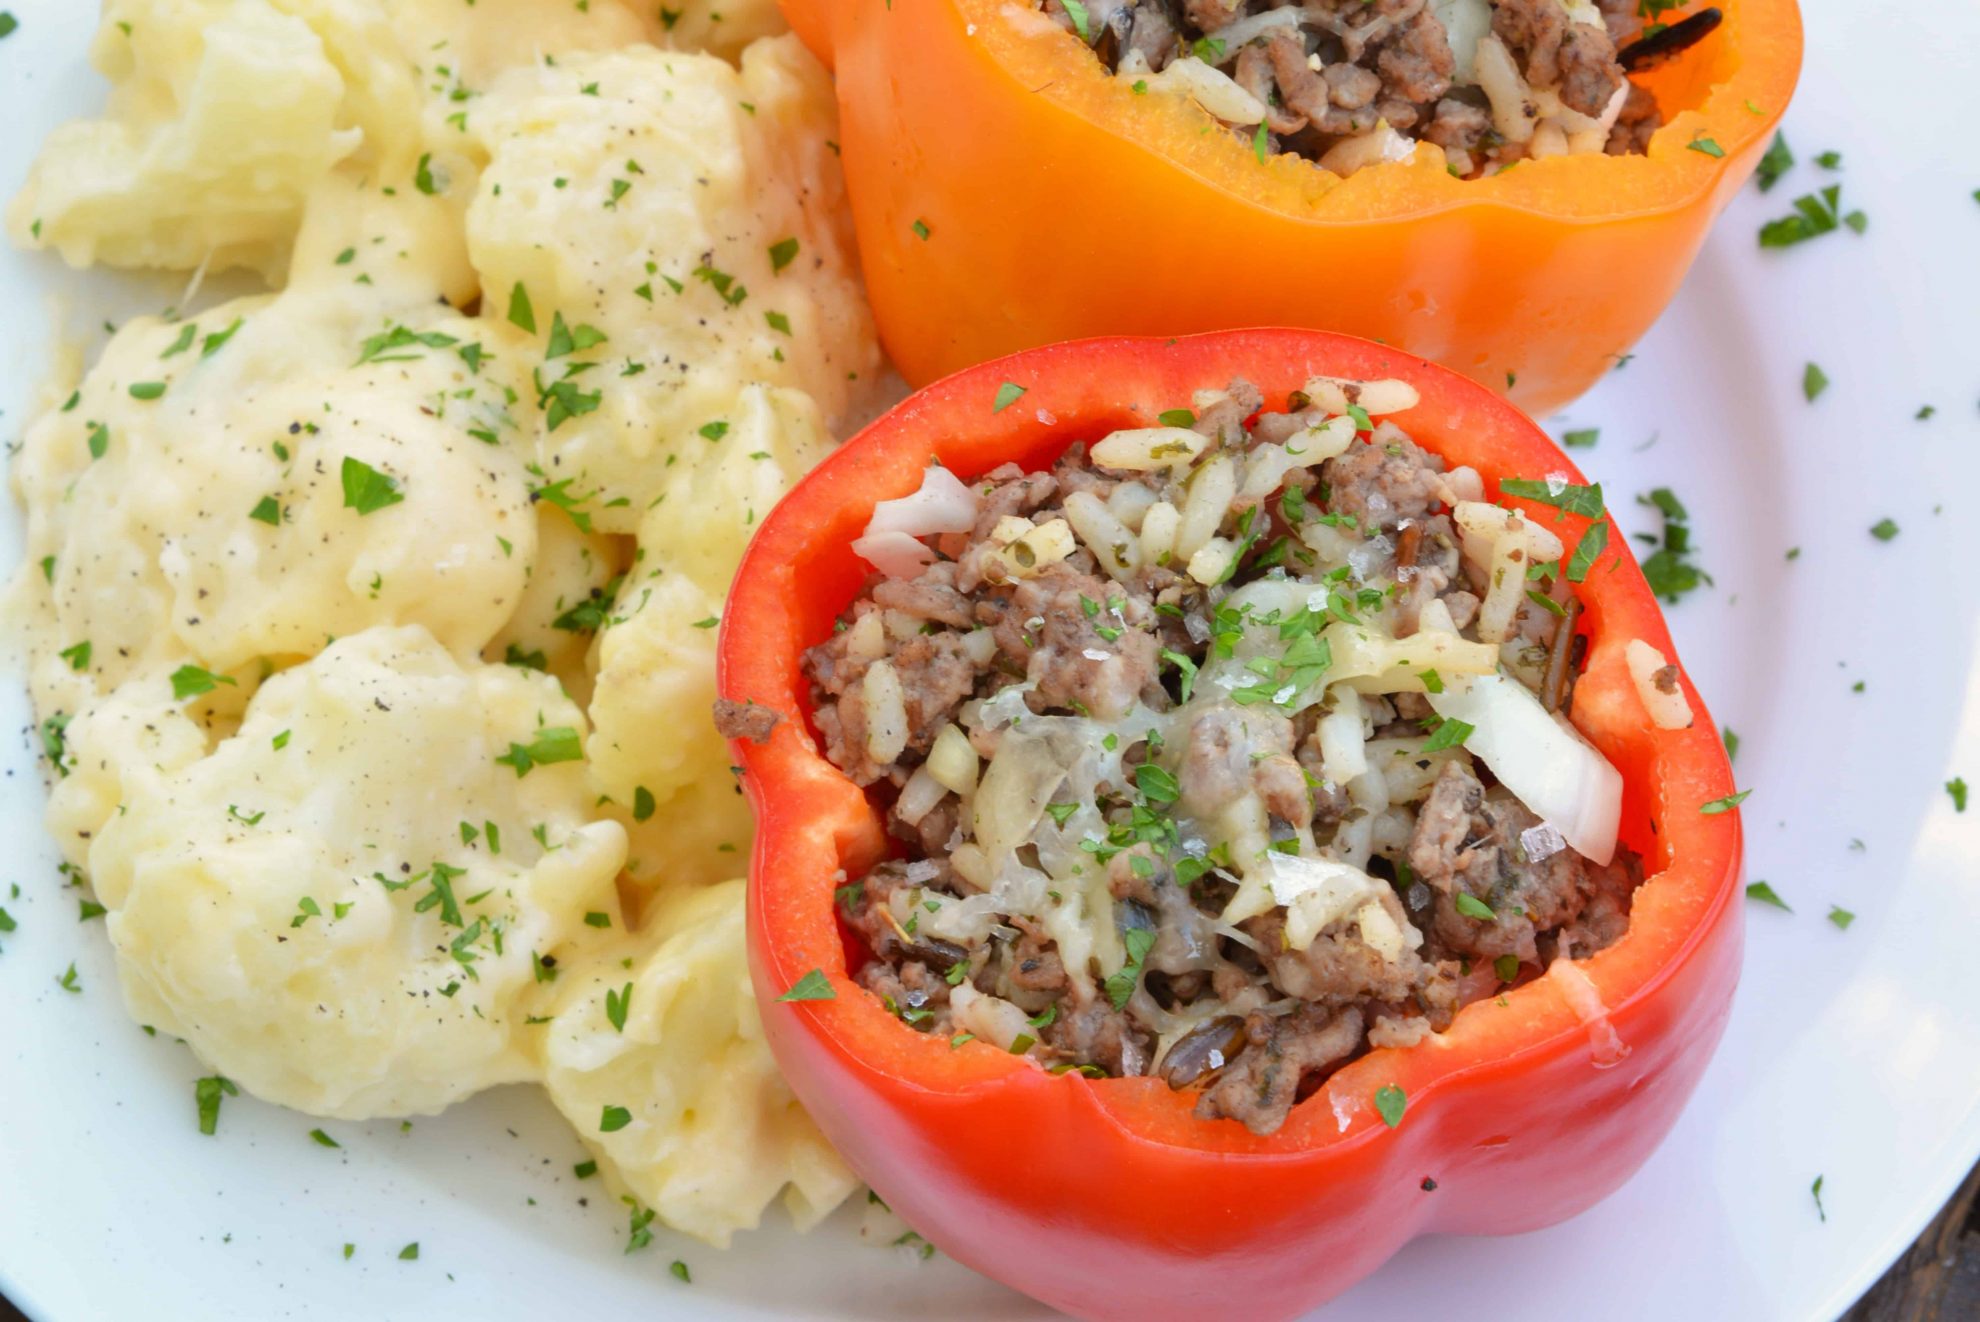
{"x": 783, "y": 253}
{"x": 367, "y": 490}
{"x": 556, "y": 743}
{"x": 1765, "y": 894}
{"x": 267, "y": 510}
{"x": 1884, "y": 530}
{"x": 148, "y": 390}
{"x": 921, "y": 230}
{"x": 323, "y": 1140}
{"x": 1008, "y": 394}
{"x": 1815, "y": 1189}
{"x": 77, "y": 656}
{"x": 521, "y": 314}
{"x": 679, "y": 1271}
{"x": 1813, "y": 382}
{"x": 189, "y": 681}
{"x": 1120, "y": 986}
{"x": 1706, "y": 146}
{"x": 1582, "y": 439}
{"x": 1726, "y": 804}
{"x": 1473, "y": 907}
{"x": 616, "y": 1005}
{"x": 813, "y": 986}
{"x": 1390, "y": 1103}
{"x": 1777, "y": 162}
{"x": 1956, "y": 789}
{"x": 613, "y": 1118}
{"x": 1449, "y": 734}
{"x": 207, "y": 1094}
{"x": 410, "y": 1253}
{"x": 217, "y": 341}
{"x": 1841, "y": 917}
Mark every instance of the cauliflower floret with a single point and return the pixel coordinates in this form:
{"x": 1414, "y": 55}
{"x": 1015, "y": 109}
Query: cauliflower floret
{"x": 690, "y": 249}
{"x": 341, "y": 908}
{"x": 713, "y": 1132}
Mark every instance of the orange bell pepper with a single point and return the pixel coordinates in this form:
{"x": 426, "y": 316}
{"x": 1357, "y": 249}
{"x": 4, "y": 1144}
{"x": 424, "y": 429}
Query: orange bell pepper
{"x": 1108, "y": 1197}
{"x": 1009, "y": 192}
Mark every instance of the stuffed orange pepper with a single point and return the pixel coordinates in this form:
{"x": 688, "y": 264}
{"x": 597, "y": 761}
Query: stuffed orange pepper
{"x": 1226, "y": 805}
{"x": 1513, "y": 188}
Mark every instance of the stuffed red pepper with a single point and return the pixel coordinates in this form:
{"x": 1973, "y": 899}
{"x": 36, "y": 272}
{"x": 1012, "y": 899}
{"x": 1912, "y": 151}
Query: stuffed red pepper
{"x": 1227, "y": 805}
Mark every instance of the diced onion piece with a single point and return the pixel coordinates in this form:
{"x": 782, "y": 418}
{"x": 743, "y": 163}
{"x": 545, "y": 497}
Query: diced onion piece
{"x": 1010, "y": 800}
{"x": 1465, "y": 23}
{"x": 952, "y": 761}
{"x": 942, "y": 504}
{"x": 1116, "y": 548}
{"x": 1374, "y": 147}
{"x": 1376, "y": 663}
{"x": 1317, "y": 893}
{"x": 886, "y": 712}
{"x": 1374, "y": 397}
{"x": 1038, "y": 548}
{"x": 1145, "y": 449}
{"x": 1379, "y": 931}
{"x": 1656, "y": 683}
{"x": 1211, "y": 489}
{"x": 1214, "y": 90}
{"x": 1212, "y": 560}
{"x": 1234, "y": 36}
{"x": 919, "y": 796}
{"x": 1513, "y": 113}
{"x": 1509, "y": 545}
{"x": 895, "y": 554}
{"x": 1542, "y": 759}
{"x": 1318, "y": 444}
{"x": 1158, "y": 532}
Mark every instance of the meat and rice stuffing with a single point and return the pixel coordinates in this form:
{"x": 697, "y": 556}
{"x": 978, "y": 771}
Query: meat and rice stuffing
{"x": 1223, "y": 751}
{"x": 1352, "y": 82}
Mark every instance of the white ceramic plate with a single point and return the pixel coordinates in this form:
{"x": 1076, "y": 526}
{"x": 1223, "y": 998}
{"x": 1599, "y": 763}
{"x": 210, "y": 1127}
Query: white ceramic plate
{"x": 1852, "y": 1055}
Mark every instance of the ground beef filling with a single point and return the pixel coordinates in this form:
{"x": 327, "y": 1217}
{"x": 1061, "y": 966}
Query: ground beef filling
{"x": 1089, "y": 761}
{"x": 1492, "y": 82}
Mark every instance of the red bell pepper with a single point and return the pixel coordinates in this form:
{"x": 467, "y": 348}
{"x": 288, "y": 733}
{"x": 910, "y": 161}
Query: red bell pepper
{"x": 1108, "y": 1197}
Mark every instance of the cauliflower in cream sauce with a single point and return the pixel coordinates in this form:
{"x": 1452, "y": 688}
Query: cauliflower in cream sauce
{"x": 370, "y": 620}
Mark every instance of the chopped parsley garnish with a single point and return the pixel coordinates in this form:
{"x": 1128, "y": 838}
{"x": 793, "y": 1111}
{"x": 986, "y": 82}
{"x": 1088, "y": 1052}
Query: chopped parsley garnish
{"x": 1472, "y": 907}
{"x": 217, "y": 341}
{"x": 642, "y": 803}
{"x": 1390, "y": 1103}
{"x": 783, "y": 253}
{"x": 565, "y": 340}
{"x": 1884, "y": 529}
{"x": 69, "y": 982}
{"x": 1669, "y": 569}
{"x": 1007, "y": 394}
{"x": 267, "y": 510}
{"x": 813, "y": 986}
{"x": 1777, "y": 162}
{"x": 1569, "y": 498}
{"x": 1813, "y": 382}
{"x": 1506, "y": 967}
{"x": 367, "y": 490}
{"x": 921, "y": 230}
{"x": 1841, "y": 917}
{"x": 1449, "y": 734}
{"x": 1156, "y": 784}
{"x": 1815, "y": 214}
{"x": 189, "y": 681}
{"x": 147, "y": 390}
{"x": 1185, "y": 667}
{"x": 1765, "y": 894}
{"x": 639, "y": 1231}
{"x": 1726, "y": 804}
{"x": 1120, "y": 986}
{"x": 679, "y": 1271}
{"x": 77, "y": 656}
{"x": 1956, "y": 789}
{"x": 521, "y": 314}
{"x": 410, "y": 1253}
{"x": 1816, "y": 1190}
{"x": 556, "y": 743}
{"x": 1594, "y": 541}
{"x": 1706, "y": 146}
{"x": 616, "y": 1005}
{"x": 207, "y": 1094}
{"x": 323, "y": 1140}
{"x": 386, "y": 346}
{"x": 613, "y": 1118}
{"x": 1581, "y": 439}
